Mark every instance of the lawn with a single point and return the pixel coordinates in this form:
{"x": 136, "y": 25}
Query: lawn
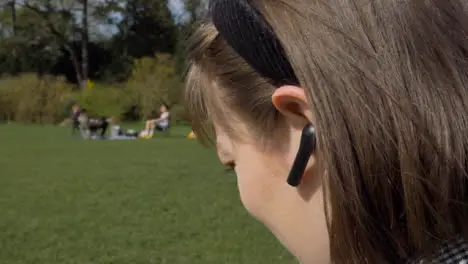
{"x": 164, "y": 200}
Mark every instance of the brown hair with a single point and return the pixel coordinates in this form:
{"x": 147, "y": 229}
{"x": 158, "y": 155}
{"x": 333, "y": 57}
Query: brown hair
{"x": 386, "y": 80}
{"x": 213, "y": 84}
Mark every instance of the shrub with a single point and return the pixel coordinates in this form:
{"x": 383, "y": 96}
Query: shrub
{"x": 28, "y": 98}
{"x": 178, "y": 114}
{"x": 104, "y": 100}
{"x": 153, "y": 81}
{"x": 31, "y": 99}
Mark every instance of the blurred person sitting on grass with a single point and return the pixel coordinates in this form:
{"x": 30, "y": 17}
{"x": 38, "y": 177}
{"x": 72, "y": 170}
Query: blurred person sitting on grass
{"x": 89, "y": 126}
{"x": 76, "y": 111}
{"x": 160, "y": 124}
{"x": 83, "y": 123}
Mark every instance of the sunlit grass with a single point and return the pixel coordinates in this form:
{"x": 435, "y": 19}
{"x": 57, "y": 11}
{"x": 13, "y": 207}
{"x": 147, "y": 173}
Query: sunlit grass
{"x": 164, "y": 200}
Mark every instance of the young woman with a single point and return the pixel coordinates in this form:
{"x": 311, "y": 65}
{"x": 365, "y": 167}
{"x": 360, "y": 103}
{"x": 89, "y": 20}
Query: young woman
{"x": 346, "y": 122}
{"x": 160, "y": 124}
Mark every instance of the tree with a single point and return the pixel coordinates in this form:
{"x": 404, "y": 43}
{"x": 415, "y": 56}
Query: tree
{"x": 14, "y": 54}
{"x": 44, "y": 32}
{"x": 84, "y": 44}
{"x": 59, "y": 20}
{"x": 143, "y": 28}
{"x": 196, "y": 11}
{"x": 147, "y": 27}
{"x": 23, "y": 45}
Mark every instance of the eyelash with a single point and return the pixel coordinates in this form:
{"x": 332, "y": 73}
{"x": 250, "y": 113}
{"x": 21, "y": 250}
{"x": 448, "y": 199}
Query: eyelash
{"x": 230, "y": 165}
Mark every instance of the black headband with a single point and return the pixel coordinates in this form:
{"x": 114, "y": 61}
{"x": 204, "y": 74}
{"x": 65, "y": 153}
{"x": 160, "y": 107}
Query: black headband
{"x": 248, "y": 33}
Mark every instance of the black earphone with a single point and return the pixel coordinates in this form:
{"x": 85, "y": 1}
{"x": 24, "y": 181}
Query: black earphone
{"x": 306, "y": 148}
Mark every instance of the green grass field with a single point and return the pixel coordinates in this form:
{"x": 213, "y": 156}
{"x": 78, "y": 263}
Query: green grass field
{"x": 164, "y": 200}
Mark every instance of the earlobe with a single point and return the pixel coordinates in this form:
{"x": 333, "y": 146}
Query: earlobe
{"x": 291, "y": 101}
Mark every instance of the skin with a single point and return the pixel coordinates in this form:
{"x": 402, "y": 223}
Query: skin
{"x": 75, "y": 108}
{"x": 294, "y": 215}
{"x": 153, "y": 122}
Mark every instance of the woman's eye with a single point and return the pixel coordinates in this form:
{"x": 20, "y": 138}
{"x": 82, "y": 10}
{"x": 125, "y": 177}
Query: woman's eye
{"x": 230, "y": 165}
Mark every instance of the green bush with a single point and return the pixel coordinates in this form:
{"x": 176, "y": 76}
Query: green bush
{"x": 103, "y": 100}
{"x": 178, "y": 114}
{"x": 7, "y": 102}
{"x": 154, "y": 81}
{"x": 31, "y": 99}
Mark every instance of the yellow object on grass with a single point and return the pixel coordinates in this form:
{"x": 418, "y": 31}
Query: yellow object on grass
{"x": 90, "y": 84}
{"x": 145, "y": 135}
{"x": 191, "y": 135}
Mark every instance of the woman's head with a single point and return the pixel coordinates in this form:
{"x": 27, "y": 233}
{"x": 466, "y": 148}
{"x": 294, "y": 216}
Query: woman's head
{"x": 164, "y": 108}
{"x": 229, "y": 100}
{"x": 75, "y": 107}
{"x": 383, "y": 82}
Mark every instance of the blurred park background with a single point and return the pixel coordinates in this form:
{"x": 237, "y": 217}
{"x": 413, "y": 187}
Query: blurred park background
{"x": 67, "y": 200}
{"x": 114, "y": 57}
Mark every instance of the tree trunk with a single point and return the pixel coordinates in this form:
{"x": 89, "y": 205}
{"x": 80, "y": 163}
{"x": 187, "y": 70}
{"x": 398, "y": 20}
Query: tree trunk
{"x": 15, "y": 25}
{"x": 13, "y": 16}
{"x": 76, "y": 65}
{"x": 84, "y": 46}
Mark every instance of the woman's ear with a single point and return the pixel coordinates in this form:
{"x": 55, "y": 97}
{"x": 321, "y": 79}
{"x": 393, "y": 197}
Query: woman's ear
{"x": 291, "y": 101}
